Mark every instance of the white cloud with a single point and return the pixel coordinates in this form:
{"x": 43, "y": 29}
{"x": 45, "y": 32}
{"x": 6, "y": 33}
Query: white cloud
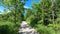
{"x": 26, "y": 7}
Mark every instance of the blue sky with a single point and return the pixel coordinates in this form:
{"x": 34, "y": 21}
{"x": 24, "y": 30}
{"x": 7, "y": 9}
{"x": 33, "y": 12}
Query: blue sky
{"x": 1, "y": 9}
{"x": 27, "y": 5}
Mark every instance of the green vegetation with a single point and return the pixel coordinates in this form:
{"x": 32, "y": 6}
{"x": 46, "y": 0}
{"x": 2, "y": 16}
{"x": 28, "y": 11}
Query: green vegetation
{"x": 43, "y": 16}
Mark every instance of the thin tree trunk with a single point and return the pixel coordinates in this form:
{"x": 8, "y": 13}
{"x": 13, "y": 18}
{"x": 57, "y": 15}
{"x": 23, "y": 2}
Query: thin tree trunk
{"x": 52, "y": 11}
{"x": 43, "y": 14}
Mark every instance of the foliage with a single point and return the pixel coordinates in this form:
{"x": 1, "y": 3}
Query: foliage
{"x": 8, "y": 28}
{"x": 46, "y": 13}
{"x": 44, "y": 29}
{"x": 43, "y": 16}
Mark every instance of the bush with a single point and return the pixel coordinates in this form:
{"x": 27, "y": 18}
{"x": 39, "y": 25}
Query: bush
{"x": 8, "y": 28}
{"x": 44, "y": 29}
{"x": 55, "y": 27}
{"x": 4, "y": 29}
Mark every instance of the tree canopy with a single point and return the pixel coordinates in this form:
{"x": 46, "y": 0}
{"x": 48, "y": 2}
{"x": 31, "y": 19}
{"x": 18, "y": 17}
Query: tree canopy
{"x": 43, "y": 16}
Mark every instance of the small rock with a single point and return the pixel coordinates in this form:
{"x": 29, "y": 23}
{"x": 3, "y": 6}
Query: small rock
{"x": 26, "y": 29}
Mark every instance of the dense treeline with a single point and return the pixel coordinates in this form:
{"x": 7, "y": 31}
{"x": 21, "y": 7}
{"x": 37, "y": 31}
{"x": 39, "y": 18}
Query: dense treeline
{"x": 43, "y": 16}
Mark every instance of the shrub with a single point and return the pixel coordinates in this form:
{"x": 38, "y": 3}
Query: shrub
{"x": 8, "y": 28}
{"x": 44, "y": 29}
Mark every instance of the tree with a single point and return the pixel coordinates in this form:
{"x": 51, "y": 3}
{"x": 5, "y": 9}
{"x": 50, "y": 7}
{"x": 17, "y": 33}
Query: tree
{"x": 43, "y": 11}
{"x": 17, "y": 9}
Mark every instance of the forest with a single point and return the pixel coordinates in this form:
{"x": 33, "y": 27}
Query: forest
{"x": 44, "y": 16}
